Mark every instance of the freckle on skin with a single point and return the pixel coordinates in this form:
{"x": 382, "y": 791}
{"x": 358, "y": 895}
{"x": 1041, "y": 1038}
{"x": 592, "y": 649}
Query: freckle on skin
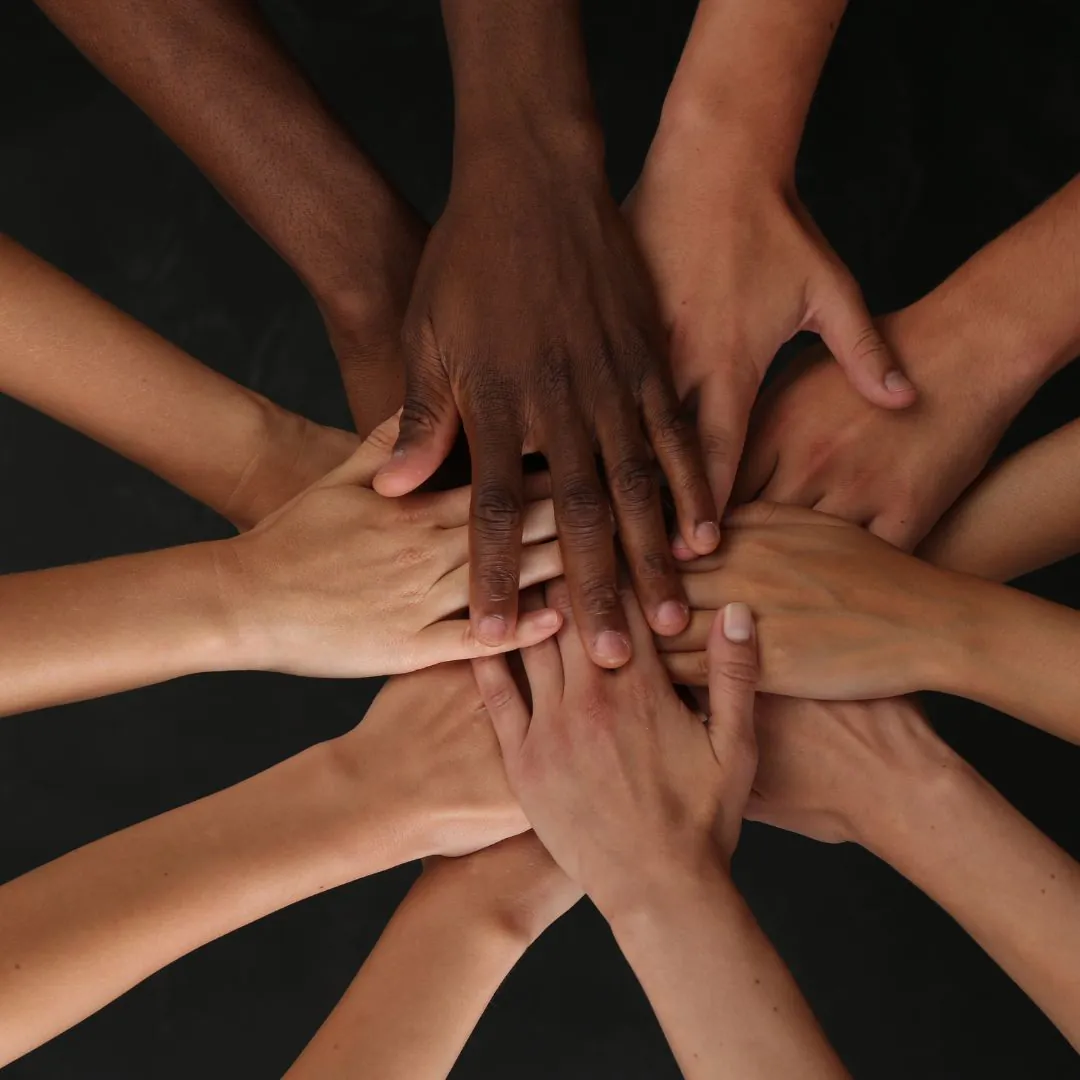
{"x": 18, "y": 967}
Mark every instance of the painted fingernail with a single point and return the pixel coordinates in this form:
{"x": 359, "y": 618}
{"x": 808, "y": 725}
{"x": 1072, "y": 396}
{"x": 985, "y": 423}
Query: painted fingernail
{"x": 492, "y": 630}
{"x": 738, "y": 623}
{"x": 897, "y": 382}
{"x": 671, "y": 617}
{"x": 612, "y": 648}
{"x": 708, "y": 532}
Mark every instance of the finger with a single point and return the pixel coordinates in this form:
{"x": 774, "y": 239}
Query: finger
{"x": 370, "y": 456}
{"x": 645, "y": 660}
{"x": 504, "y": 704}
{"x": 678, "y": 452}
{"x": 847, "y": 329}
{"x": 687, "y": 669}
{"x": 543, "y": 666}
{"x": 537, "y": 527}
{"x": 902, "y": 533}
{"x": 495, "y": 525}
{"x": 724, "y": 404}
{"x": 576, "y": 663}
{"x": 763, "y": 513}
{"x": 449, "y": 595}
{"x": 733, "y": 677}
{"x": 588, "y": 549}
{"x": 695, "y": 638}
{"x": 633, "y": 481}
{"x": 429, "y": 421}
{"x": 453, "y": 639}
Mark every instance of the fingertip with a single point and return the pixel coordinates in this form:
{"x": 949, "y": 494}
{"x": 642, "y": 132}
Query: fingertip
{"x": 670, "y": 618}
{"x": 681, "y": 550}
{"x": 706, "y": 538}
{"x": 736, "y": 623}
{"x": 611, "y": 649}
{"x": 536, "y": 626}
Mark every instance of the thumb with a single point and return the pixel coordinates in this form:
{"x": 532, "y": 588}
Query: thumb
{"x": 429, "y": 419}
{"x": 733, "y": 677}
{"x": 504, "y": 703}
{"x": 847, "y": 329}
{"x": 370, "y": 456}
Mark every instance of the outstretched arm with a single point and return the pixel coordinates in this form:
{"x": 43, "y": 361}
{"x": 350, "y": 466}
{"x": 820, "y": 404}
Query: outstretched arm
{"x": 455, "y": 937}
{"x": 72, "y": 355}
{"x": 877, "y": 774}
{"x": 420, "y": 776}
{"x": 212, "y": 75}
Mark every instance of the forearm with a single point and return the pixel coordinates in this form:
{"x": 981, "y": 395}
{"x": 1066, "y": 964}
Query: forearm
{"x": 1018, "y": 518}
{"x": 80, "y": 931}
{"x": 420, "y": 993}
{"x": 723, "y": 996}
{"x": 746, "y": 79}
{"x": 73, "y": 356}
{"x": 1010, "y": 887}
{"x": 84, "y": 631}
{"x": 216, "y": 81}
{"x": 520, "y": 78}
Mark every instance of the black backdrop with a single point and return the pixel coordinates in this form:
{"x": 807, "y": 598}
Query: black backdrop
{"x": 938, "y": 123}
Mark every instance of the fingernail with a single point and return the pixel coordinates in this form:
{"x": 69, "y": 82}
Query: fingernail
{"x": 492, "y": 630}
{"x": 612, "y": 648}
{"x": 738, "y": 623}
{"x": 548, "y": 619}
{"x": 671, "y": 616}
{"x": 708, "y": 532}
{"x": 896, "y": 381}
{"x": 680, "y": 549}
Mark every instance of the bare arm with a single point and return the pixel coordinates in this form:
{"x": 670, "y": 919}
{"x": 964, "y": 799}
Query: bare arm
{"x": 211, "y": 74}
{"x": 70, "y": 354}
{"x": 877, "y": 774}
{"x": 81, "y": 930}
{"x": 1022, "y": 516}
{"x": 450, "y": 944}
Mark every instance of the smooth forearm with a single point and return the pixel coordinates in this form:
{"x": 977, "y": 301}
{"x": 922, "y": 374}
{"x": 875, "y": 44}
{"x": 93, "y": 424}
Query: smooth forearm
{"x": 1009, "y": 650}
{"x": 420, "y": 993}
{"x": 84, "y": 631}
{"x": 520, "y": 79}
{"x": 80, "y": 931}
{"x": 747, "y": 76}
{"x": 723, "y": 996}
{"x": 1009, "y": 886}
{"x": 1018, "y": 518}
{"x": 211, "y": 74}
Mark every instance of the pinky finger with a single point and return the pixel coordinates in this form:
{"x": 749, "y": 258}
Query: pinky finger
{"x": 453, "y": 639}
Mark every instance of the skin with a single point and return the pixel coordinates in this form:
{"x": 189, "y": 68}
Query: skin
{"x": 739, "y": 265}
{"x": 640, "y": 801}
{"x": 340, "y": 582}
{"x": 455, "y": 937}
{"x": 846, "y": 616}
{"x": 533, "y": 324}
{"x": 978, "y": 347}
{"x": 71, "y": 355}
{"x": 214, "y": 78}
{"x": 83, "y": 929}
{"x": 876, "y": 774}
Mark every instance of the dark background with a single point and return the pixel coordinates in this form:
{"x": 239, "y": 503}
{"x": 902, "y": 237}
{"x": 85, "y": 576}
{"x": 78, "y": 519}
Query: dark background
{"x": 938, "y": 123}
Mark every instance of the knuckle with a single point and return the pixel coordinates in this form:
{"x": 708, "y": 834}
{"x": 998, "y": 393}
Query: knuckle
{"x": 600, "y": 599}
{"x": 653, "y": 566}
{"x": 633, "y": 483}
{"x": 499, "y": 698}
{"x": 717, "y": 442}
{"x": 498, "y": 581}
{"x": 743, "y": 672}
{"x": 496, "y": 512}
{"x": 868, "y": 344}
{"x": 582, "y": 508}
{"x": 418, "y": 414}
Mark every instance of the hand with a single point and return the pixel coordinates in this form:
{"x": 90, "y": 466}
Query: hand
{"x": 620, "y": 780}
{"x": 740, "y": 268}
{"x": 842, "y": 615}
{"x": 363, "y": 318}
{"x": 344, "y": 583}
{"x": 533, "y": 320}
{"x": 814, "y": 442}
{"x": 432, "y": 736}
{"x": 515, "y": 884}
{"x": 830, "y": 771}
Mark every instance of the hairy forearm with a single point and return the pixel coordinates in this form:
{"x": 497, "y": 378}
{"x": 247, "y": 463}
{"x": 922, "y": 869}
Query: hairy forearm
{"x": 73, "y": 356}
{"x": 1009, "y": 886}
{"x": 213, "y": 77}
{"x": 420, "y": 993}
{"x": 747, "y": 77}
{"x": 79, "y": 931}
{"x": 723, "y": 996}
{"x": 84, "y": 631}
{"x": 1018, "y": 518}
